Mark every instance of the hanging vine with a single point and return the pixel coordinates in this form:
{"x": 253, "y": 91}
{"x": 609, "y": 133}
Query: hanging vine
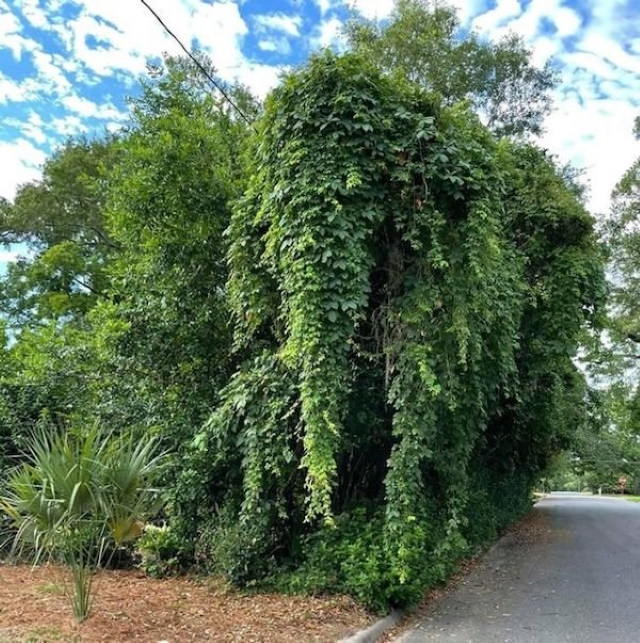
{"x": 393, "y": 264}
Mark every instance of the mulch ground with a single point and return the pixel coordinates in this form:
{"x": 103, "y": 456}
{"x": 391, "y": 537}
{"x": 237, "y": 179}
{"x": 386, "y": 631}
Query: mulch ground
{"x": 132, "y": 607}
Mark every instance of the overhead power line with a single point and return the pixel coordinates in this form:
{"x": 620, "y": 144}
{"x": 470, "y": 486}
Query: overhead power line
{"x": 199, "y": 65}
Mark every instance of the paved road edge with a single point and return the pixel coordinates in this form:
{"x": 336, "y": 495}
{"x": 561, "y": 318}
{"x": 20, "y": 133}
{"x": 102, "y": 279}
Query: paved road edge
{"x": 372, "y": 633}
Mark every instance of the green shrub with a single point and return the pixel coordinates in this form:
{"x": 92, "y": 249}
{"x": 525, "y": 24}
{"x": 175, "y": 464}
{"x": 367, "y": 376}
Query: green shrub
{"x": 79, "y": 496}
{"x": 241, "y": 552}
{"x": 352, "y": 558}
{"x": 159, "y": 550}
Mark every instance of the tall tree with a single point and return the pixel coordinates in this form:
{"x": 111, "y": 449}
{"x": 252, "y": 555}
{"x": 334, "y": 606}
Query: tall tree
{"x": 423, "y": 42}
{"x": 60, "y": 218}
{"x": 623, "y": 237}
{"x": 180, "y": 167}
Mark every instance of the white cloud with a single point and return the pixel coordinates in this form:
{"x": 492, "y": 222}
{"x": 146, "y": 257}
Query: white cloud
{"x": 508, "y": 16}
{"x": 35, "y": 119}
{"x": 370, "y": 9}
{"x": 50, "y": 77}
{"x": 33, "y": 128}
{"x": 260, "y": 78}
{"x": 88, "y": 109}
{"x": 543, "y": 49}
{"x": 590, "y": 62}
{"x": 373, "y": 9}
{"x": 468, "y": 9}
{"x": 20, "y": 161}
{"x": 490, "y": 21}
{"x": 595, "y": 135}
{"x": 567, "y": 21}
{"x": 12, "y": 91}
{"x": 287, "y": 24}
{"x": 12, "y": 254}
{"x": 113, "y": 126}
{"x": 325, "y": 5}
{"x": 104, "y": 40}
{"x": 32, "y": 12}
{"x": 79, "y": 105}
{"x": 68, "y": 125}
{"x": 268, "y": 45}
{"x": 276, "y": 45}
{"x": 328, "y": 34}
{"x": 10, "y": 34}
{"x": 608, "y": 49}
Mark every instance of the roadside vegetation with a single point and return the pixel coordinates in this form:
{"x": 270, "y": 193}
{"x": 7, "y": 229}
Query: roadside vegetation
{"x": 351, "y": 326}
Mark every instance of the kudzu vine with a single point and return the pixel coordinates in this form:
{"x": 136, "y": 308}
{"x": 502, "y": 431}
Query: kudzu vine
{"x": 408, "y": 294}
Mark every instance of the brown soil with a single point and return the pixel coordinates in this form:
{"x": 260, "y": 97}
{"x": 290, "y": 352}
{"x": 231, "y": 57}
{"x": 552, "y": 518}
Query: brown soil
{"x": 132, "y": 607}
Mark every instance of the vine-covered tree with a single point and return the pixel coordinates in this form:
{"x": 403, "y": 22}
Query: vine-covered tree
{"x": 412, "y": 292}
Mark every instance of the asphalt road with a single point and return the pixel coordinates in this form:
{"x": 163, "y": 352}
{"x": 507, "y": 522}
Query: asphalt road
{"x": 572, "y": 575}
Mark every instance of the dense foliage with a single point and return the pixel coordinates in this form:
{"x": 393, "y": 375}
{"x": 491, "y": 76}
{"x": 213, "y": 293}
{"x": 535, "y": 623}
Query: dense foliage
{"x": 61, "y": 220}
{"x": 168, "y": 207}
{"x": 149, "y": 348}
{"x": 413, "y": 291}
{"x": 607, "y": 450}
{"x": 354, "y": 327}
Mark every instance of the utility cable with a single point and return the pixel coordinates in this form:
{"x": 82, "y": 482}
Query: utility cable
{"x": 199, "y": 65}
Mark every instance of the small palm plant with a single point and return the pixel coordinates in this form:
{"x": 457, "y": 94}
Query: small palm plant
{"x": 77, "y": 496}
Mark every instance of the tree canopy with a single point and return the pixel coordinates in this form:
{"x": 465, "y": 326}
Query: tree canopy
{"x": 61, "y": 219}
{"x": 423, "y": 42}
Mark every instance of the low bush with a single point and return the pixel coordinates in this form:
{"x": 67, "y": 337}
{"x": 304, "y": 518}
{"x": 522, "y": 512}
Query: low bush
{"x": 352, "y": 558}
{"x": 78, "y": 497}
{"x": 241, "y": 552}
{"x": 159, "y": 548}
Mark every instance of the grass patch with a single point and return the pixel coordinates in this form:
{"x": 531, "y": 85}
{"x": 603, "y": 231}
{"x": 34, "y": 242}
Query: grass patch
{"x": 53, "y": 589}
{"x": 619, "y": 496}
{"x": 44, "y": 634}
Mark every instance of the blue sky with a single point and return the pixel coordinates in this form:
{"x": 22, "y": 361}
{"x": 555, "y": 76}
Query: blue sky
{"x": 67, "y": 66}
